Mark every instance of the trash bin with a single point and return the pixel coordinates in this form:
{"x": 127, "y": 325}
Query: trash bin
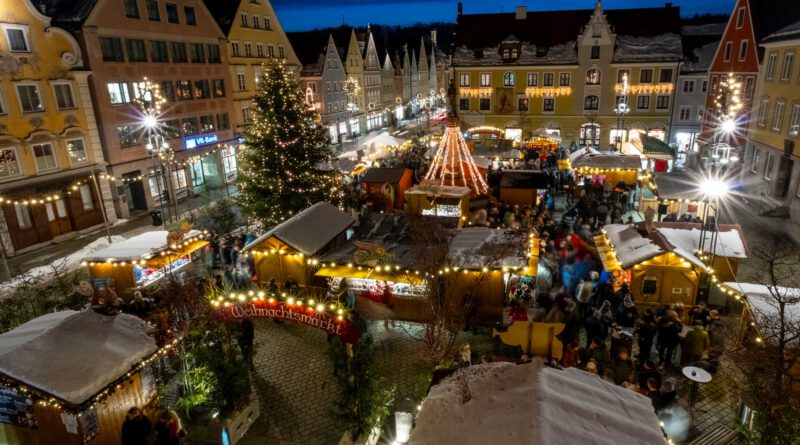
{"x": 156, "y": 215}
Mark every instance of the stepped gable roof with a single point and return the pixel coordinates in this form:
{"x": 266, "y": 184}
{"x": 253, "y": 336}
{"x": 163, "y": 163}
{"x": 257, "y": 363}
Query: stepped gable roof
{"x": 771, "y": 16}
{"x": 551, "y": 28}
{"x": 310, "y": 48}
{"x": 224, "y": 12}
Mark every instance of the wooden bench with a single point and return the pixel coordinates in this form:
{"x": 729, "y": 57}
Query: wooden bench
{"x": 717, "y": 435}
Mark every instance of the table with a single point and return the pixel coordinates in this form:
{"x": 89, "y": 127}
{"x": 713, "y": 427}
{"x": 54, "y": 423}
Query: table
{"x": 697, "y": 376}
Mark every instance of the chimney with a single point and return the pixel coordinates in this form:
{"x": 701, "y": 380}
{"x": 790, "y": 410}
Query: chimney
{"x": 433, "y": 37}
{"x": 522, "y": 12}
{"x": 460, "y": 8}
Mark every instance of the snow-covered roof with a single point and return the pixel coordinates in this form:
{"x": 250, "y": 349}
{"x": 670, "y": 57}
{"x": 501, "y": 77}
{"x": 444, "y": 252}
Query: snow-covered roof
{"x": 138, "y": 247}
{"x": 74, "y": 355}
{"x": 533, "y": 404}
{"x": 446, "y": 191}
{"x": 706, "y": 29}
{"x": 630, "y": 247}
{"x": 788, "y": 32}
{"x": 677, "y": 185}
{"x": 477, "y": 247}
{"x": 729, "y": 243}
{"x": 642, "y": 48}
{"x": 608, "y": 161}
{"x": 762, "y": 298}
{"x": 482, "y": 162}
{"x": 384, "y": 139}
{"x": 580, "y": 152}
{"x": 309, "y": 231}
{"x": 560, "y": 54}
{"x": 703, "y": 56}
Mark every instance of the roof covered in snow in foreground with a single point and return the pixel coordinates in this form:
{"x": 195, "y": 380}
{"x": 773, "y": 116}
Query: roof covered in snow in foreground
{"x": 763, "y": 299}
{"x": 533, "y": 404}
{"x": 74, "y": 355}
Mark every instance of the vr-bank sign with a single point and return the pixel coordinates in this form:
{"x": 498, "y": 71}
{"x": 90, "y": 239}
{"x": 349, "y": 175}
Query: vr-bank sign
{"x": 299, "y": 314}
{"x": 199, "y": 141}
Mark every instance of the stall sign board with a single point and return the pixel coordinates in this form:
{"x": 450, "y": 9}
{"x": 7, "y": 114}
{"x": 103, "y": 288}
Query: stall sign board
{"x": 17, "y": 409}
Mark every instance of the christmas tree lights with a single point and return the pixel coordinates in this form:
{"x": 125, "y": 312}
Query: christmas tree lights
{"x": 453, "y": 164}
{"x": 284, "y": 148}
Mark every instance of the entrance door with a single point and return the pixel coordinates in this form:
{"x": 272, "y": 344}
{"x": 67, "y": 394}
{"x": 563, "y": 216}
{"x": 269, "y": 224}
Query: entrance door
{"x": 134, "y": 191}
{"x": 58, "y": 218}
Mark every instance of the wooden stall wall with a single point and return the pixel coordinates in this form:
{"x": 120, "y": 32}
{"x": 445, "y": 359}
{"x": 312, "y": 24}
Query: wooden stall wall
{"x": 120, "y": 277}
{"x": 279, "y": 266}
{"x": 111, "y": 414}
{"x": 664, "y": 280}
{"x": 519, "y": 197}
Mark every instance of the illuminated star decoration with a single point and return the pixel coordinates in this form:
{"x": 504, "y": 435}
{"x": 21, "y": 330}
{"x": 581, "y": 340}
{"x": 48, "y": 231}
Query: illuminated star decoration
{"x": 453, "y": 164}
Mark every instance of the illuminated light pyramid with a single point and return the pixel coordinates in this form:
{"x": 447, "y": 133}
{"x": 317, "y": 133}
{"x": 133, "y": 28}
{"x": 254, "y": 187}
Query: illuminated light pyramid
{"x": 453, "y": 164}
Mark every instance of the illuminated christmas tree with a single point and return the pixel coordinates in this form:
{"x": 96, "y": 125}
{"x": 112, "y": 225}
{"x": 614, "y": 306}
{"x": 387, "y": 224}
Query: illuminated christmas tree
{"x": 285, "y": 145}
{"x": 453, "y": 163}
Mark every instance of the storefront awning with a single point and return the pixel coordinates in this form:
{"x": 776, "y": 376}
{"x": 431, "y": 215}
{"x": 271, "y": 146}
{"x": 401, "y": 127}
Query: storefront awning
{"x": 655, "y": 148}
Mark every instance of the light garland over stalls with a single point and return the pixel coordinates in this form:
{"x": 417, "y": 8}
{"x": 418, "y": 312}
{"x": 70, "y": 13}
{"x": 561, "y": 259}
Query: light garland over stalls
{"x": 219, "y": 298}
{"x": 168, "y": 250}
{"x": 447, "y": 168}
{"x": 284, "y": 146}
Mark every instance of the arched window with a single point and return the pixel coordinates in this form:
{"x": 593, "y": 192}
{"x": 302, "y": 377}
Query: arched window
{"x": 591, "y": 103}
{"x": 509, "y": 79}
{"x": 590, "y": 135}
{"x": 593, "y": 77}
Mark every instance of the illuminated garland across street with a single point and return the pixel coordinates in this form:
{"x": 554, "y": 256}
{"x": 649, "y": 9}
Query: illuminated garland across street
{"x": 448, "y": 166}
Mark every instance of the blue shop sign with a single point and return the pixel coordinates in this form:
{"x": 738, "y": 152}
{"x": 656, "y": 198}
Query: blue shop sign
{"x": 199, "y": 141}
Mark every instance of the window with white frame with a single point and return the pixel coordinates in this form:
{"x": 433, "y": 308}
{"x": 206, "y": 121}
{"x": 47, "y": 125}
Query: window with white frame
{"x": 728, "y": 50}
{"x": 685, "y": 113}
{"x": 45, "y": 157}
{"x": 23, "y": 216}
{"x": 762, "y": 112}
{"x": 740, "y": 18}
{"x": 533, "y": 79}
{"x": 788, "y": 64}
{"x": 270, "y": 50}
{"x": 245, "y": 115}
{"x": 86, "y": 197}
{"x": 704, "y": 86}
{"x": 118, "y": 93}
{"x": 241, "y": 81}
{"x": 29, "y": 98}
{"x": 9, "y": 164}
{"x": 769, "y": 165}
{"x": 509, "y": 79}
{"x": 777, "y": 119}
{"x": 63, "y": 93}
{"x": 688, "y": 86}
{"x": 248, "y": 49}
{"x": 76, "y": 151}
{"x": 463, "y": 79}
{"x": 260, "y": 50}
{"x": 643, "y": 103}
{"x": 771, "y": 60}
{"x": 281, "y": 52}
{"x": 743, "y": 50}
{"x": 256, "y": 22}
{"x": 17, "y": 37}
{"x": 755, "y": 160}
{"x": 235, "y": 49}
{"x": 794, "y": 121}
{"x": 229, "y": 160}
{"x": 486, "y": 79}
{"x": 749, "y": 82}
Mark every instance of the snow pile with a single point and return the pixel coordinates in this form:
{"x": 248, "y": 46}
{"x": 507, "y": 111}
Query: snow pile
{"x": 64, "y": 264}
{"x": 662, "y": 47}
{"x": 74, "y": 355}
{"x": 503, "y": 403}
{"x": 630, "y": 247}
{"x": 132, "y": 249}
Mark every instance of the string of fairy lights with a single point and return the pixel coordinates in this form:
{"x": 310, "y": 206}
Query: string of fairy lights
{"x": 447, "y": 168}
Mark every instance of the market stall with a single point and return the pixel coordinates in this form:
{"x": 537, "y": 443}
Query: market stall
{"x": 543, "y": 142}
{"x": 386, "y": 187}
{"x": 612, "y": 167}
{"x": 379, "y": 145}
{"x": 291, "y": 247}
{"x": 660, "y": 262}
{"x": 508, "y": 404}
{"x": 522, "y": 187}
{"x": 674, "y": 193}
{"x": 438, "y": 200}
{"x": 69, "y": 378}
{"x": 143, "y": 260}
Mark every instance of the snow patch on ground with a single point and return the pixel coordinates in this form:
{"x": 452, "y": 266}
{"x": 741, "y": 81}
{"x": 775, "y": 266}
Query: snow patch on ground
{"x": 65, "y": 264}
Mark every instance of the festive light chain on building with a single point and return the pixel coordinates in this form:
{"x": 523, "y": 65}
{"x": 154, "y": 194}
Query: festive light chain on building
{"x": 728, "y": 101}
{"x": 47, "y": 400}
{"x": 644, "y": 88}
{"x": 388, "y": 268}
{"x": 170, "y": 250}
{"x": 220, "y": 298}
{"x": 475, "y": 92}
{"x": 548, "y": 91}
{"x": 585, "y": 170}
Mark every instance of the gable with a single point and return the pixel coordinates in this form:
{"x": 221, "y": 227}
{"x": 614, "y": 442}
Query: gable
{"x": 735, "y": 35}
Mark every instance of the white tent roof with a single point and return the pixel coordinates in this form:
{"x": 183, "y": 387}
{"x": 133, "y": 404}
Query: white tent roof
{"x": 533, "y": 404}
{"x": 384, "y": 139}
{"x": 74, "y": 355}
{"x": 630, "y": 149}
{"x": 761, "y": 299}
{"x": 140, "y": 246}
{"x": 580, "y": 152}
{"x": 310, "y": 230}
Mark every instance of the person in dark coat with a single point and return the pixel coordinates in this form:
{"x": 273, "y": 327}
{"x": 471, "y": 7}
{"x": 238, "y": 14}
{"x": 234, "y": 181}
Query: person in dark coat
{"x": 136, "y": 428}
{"x": 626, "y": 313}
{"x": 246, "y": 338}
{"x": 669, "y": 329}
{"x": 595, "y": 327}
{"x": 622, "y": 366}
{"x": 646, "y": 331}
{"x": 598, "y": 352}
{"x": 648, "y": 371}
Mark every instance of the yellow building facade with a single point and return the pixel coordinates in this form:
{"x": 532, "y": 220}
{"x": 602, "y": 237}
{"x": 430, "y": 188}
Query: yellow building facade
{"x": 51, "y": 182}
{"x": 255, "y": 36}
{"x": 771, "y": 160}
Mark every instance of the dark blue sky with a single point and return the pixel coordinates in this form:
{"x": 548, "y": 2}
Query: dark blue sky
{"x": 301, "y": 15}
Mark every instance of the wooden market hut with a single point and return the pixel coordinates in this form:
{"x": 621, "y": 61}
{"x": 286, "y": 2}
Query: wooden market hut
{"x": 386, "y": 187}
{"x": 69, "y": 378}
{"x": 673, "y": 192}
{"x": 438, "y": 200}
{"x": 142, "y": 261}
{"x": 293, "y": 245}
{"x": 615, "y": 167}
{"x": 660, "y": 261}
{"x": 520, "y": 187}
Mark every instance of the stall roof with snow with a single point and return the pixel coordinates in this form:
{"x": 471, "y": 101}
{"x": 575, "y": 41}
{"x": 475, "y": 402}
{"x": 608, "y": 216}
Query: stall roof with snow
{"x": 533, "y": 404}
{"x": 676, "y": 186}
{"x": 74, "y": 355}
{"x": 581, "y": 152}
{"x": 608, "y": 161}
{"x": 478, "y": 247}
{"x": 625, "y": 245}
{"x": 439, "y": 191}
{"x": 383, "y": 175}
{"x": 309, "y": 231}
{"x": 524, "y": 179}
{"x": 762, "y": 298}
{"x": 139, "y": 247}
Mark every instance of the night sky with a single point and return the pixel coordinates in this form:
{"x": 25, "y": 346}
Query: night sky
{"x": 301, "y": 15}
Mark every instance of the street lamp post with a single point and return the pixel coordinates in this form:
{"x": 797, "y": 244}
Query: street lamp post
{"x": 621, "y": 110}
{"x": 149, "y": 99}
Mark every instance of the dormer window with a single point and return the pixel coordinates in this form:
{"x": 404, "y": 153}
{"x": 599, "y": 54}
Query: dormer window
{"x": 541, "y": 51}
{"x": 509, "y": 51}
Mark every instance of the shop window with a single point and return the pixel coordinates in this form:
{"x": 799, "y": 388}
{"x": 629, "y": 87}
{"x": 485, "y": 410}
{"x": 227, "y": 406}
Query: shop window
{"x": 23, "y": 216}
{"x": 197, "y": 173}
{"x": 229, "y": 160}
{"x": 179, "y": 179}
{"x": 86, "y": 197}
